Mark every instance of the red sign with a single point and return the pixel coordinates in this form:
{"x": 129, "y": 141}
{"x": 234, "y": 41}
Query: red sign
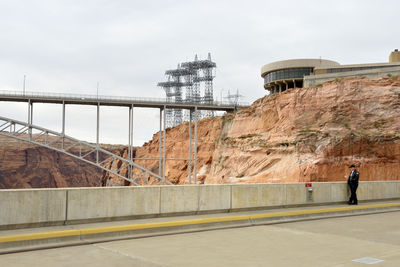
{"x": 308, "y": 185}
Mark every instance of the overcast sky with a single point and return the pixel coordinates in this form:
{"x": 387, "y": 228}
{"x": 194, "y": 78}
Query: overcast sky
{"x": 68, "y": 46}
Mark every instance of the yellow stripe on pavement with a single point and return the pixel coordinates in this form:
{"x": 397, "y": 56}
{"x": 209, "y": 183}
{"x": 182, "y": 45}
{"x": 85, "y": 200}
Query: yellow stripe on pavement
{"x": 109, "y": 229}
{"x": 26, "y": 237}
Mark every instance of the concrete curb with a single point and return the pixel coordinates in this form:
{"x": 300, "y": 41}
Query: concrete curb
{"x": 33, "y": 241}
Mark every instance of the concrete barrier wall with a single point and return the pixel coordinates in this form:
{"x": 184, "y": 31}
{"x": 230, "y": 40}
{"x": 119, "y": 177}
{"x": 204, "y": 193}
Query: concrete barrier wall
{"x": 55, "y": 206}
{"x": 26, "y": 206}
{"x": 112, "y": 202}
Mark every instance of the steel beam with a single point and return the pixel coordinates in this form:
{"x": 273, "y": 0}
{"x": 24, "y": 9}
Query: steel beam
{"x": 73, "y": 140}
{"x": 6, "y": 125}
{"x": 79, "y": 99}
{"x": 159, "y": 146}
{"x": 31, "y": 112}
{"x": 129, "y": 133}
{"x": 130, "y": 142}
{"x": 63, "y": 125}
{"x": 97, "y": 132}
{"x": 30, "y": 118}
{"x": 164, "y": 152}
{"x": 190, "y": 147}
{"x": 195, "y": 145}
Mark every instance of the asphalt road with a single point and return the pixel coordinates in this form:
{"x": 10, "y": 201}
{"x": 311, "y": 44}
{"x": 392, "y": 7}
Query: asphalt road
{"x": 323, "y": 242}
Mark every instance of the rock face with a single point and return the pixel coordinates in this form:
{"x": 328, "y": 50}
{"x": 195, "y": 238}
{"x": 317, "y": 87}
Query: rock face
{"x": 177, "y": 147}
{"x": 112, "y": 180}
{"x": 300, "y": 135}
{"x": 304, "y": 134}
{"x": 28, "y": 166}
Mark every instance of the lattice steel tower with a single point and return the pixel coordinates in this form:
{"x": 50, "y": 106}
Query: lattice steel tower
{"x": 233, "y": 98}
{"x": 168, "y": 87}
{"x": 177, "y": 79}
{"x": 203, "y": 72}
{"x": 190, "y": 75}
{"x": 208, "y": 77}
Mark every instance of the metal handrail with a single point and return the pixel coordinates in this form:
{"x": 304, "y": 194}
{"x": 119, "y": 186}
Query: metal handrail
{"x": 62, "y": 96}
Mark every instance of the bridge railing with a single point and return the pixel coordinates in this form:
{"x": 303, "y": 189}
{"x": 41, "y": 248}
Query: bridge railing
{"x": 63, "y": 96}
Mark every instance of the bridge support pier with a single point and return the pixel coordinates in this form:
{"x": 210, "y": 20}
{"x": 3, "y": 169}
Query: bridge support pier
{"x": 30, "y": 118}
{"x": 63, "y": 125}
{"x": 130, "y": 141}
{"x": 159, "y": 146}
{"x": 190, "y": 146}
{"x": 164, "y": 152}
{"x": 195, "y": 146}
{"x": 97, "y": 132}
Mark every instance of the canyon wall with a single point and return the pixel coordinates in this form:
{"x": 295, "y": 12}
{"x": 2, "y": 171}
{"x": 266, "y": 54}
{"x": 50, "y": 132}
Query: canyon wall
{"x": 23, "y": 165}
{"x": 300, "y": 135}
{"x": 303, "y": 134}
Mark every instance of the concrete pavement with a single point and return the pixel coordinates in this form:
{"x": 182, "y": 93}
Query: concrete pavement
{"x": 338, "y": 241}
{"x": 46, "y": 237}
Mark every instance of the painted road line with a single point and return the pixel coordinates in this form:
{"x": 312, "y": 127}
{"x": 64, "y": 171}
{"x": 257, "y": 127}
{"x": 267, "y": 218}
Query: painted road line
{"x": 26, "y": 237}
{"x": 110, "y": 229}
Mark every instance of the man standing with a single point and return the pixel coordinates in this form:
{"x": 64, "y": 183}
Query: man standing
{"x": 353, "y": 184}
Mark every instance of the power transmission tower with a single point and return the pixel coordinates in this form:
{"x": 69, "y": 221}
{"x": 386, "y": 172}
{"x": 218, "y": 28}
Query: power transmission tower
{"x": 191, "y": 75}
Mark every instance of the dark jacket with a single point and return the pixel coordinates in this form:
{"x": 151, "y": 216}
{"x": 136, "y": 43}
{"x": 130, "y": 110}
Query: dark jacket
{"x": 353, "y": 178}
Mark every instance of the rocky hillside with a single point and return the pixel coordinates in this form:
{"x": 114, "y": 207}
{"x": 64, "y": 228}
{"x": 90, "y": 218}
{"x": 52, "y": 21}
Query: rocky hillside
{"x": 29, "y": 166}
{"x": 304, "y": 134}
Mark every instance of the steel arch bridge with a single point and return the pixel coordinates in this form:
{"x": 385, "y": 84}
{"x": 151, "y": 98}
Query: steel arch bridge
{"x": 95, "y": 155}
{"x": 72, "y": 147}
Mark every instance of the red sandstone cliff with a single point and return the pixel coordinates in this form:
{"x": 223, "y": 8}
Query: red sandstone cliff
{"x": 304, "y": 134}
{"x": 23, "y": 165}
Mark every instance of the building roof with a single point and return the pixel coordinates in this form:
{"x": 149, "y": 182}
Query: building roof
{"x": 298, "y": 63}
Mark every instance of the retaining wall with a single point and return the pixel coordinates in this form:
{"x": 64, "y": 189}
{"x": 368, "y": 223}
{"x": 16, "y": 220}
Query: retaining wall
{"x": 38, "y": 207}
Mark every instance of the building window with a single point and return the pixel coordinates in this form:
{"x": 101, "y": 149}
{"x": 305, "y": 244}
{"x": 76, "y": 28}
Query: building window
{"x": 293, "y": 73}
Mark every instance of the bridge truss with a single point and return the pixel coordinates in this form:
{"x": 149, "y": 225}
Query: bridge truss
{"x": 84, "y": 151}
{"x": 93, "y": 153}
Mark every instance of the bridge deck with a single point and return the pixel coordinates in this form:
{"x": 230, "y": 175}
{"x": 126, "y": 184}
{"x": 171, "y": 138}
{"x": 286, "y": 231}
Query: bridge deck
{"x": 81, "y": 99}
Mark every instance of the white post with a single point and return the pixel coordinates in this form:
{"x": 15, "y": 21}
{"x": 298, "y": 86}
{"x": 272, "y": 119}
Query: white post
{"x": 130, "y": 143}
{"x": 63, "y": 125}
{"x": 190, "y": 146}
{"x": 159, "y": 146}
{"x": 97, "y": 132}
{"x": 195, "y": 146}
{"x": 30, "y": 118}
{"x": 164, "y": 153}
